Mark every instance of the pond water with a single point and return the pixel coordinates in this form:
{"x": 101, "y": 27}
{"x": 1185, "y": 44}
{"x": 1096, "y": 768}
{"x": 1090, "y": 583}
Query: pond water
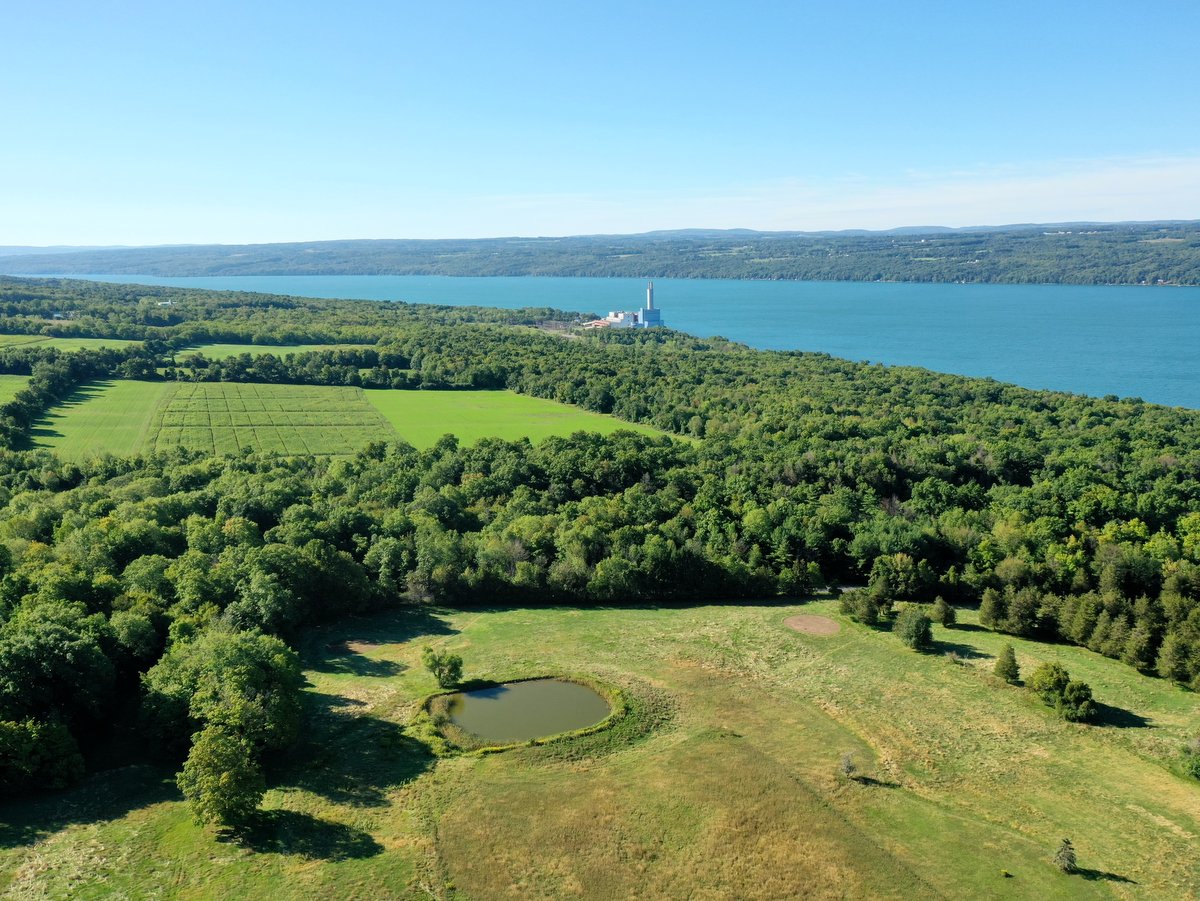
{"x": 519, "y": 711}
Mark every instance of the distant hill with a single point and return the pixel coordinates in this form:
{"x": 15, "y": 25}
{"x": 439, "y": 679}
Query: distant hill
{"x": 1060, "y": 253}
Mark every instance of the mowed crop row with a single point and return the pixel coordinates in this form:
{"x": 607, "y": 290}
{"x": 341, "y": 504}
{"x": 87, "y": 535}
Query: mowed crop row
{"x": 126, "y": 417}
{"x": 296, "y": 419}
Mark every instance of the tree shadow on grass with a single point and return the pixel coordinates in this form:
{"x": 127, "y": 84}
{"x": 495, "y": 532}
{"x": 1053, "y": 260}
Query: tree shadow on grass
{"x": 352, "y": 758}
{"x": 102, "y": 796}
{"x": 965, "y": 651}
{"x": 1101, "y": 875}
{"x": 1118, "y": 717}
{"x": 343, "y": 658}
{"x": 338, "y": 648}
{"x": 875, "y": 783}
{"x": 44, "y": 428}
{"x": 299, "y": 834}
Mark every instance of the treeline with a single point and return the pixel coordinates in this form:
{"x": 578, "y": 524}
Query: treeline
{"x": 1065, "y": 517}
{"x": 1130, "y": 253}
{"x": 181, "y": 317}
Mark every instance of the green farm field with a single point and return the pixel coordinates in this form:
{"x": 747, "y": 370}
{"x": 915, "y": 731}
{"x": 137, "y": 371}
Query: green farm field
{"x": 125, "y": 417}
{"x": 66, "y": 344}
{"x": 10, "y": 385}
{"x": 721, "y": 782}
{"x": 106, "y": 417}
{"x": 225, "y": 351}
{"x": 421, "y": 417}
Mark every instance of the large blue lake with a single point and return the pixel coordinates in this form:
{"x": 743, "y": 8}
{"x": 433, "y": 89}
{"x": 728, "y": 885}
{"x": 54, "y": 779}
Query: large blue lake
{"x": 1128, "y": 341}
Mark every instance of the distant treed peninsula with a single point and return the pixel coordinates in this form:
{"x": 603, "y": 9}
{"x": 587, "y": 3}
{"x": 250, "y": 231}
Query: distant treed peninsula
{"x": 1153, "y": 253}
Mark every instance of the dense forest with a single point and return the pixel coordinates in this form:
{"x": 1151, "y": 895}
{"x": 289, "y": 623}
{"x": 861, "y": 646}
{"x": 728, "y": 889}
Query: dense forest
{"x": 1084, "y": 254}
{"x": 164, "y": 589}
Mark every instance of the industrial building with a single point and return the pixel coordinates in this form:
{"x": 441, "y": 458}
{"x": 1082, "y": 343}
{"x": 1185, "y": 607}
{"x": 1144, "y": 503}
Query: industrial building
{"x": 647, "y": 317}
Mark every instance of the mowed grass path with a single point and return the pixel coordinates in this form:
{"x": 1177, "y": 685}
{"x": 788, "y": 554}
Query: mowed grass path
{"x": 125, "y": 417}
{"x": 733, "y": 795}
{"x": 421, "y": 417}
{"x": 10, "y": 385}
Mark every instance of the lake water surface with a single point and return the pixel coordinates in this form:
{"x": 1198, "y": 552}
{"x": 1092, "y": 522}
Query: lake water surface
{"x": 1128, "y": 341}
{"x": 519, "y": 711}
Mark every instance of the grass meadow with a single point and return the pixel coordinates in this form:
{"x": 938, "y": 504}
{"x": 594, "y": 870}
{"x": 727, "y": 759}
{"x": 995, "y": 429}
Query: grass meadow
{"x": 225, "y": 351}
{"x": 10, "y": 385}
{"x": 211, "y": 351}
{"x": 125, "y": 417}
{"x": 722, "y": 783}
{"x": 422, "y": 417}
{"x": 66, "y": 344}
{"x": 106, "y": 417}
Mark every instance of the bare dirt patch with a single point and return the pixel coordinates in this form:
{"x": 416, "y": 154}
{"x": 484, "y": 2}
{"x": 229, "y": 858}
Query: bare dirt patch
{"x": 810, "y": 624}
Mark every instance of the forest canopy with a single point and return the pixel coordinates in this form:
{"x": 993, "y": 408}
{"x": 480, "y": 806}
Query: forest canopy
{"x": 157, "y": 586}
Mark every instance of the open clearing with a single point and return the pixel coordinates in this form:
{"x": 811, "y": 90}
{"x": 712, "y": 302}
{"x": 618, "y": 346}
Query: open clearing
{"x": 225, "y": 351}
{"x": 126, "y": 417}
{"x": 109, "y": 417}
{"x": 730, "y": 790}
{"x": 62, "y": 343}
{"x": 211, "y": 351}
{"x": 422, "y": 417}
{"x": 812, "y": 625}
{"x": 10, "y": 385}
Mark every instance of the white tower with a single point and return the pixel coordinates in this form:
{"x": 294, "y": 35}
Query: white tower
{"x": 650, "y": 295}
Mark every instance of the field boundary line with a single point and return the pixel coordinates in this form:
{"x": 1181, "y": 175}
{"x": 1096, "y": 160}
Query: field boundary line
{"x": 153, "y": 423}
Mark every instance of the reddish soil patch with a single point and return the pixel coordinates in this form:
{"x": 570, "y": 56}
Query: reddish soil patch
{"x": 812, "y": 625}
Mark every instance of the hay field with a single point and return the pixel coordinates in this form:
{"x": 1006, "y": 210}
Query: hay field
{"x": 67, "y": 344}
{"x": 126, "y": 417}
{"x": 421, "y": 417}
{"x": 722, "y": 784}
{"x": 225, "y": 351}
{"x": 294, "y": 419}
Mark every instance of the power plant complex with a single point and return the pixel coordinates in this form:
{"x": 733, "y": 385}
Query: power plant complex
{"x": 647, "y": 317}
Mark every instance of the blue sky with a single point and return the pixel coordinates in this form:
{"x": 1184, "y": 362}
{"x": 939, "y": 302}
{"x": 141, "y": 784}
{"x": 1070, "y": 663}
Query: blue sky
{"x": 149, "y": 123}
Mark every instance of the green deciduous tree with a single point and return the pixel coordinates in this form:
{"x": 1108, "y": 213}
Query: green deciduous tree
{"x": 913, "y": 628}
{"x": 1048, "y": 681}
{"x": 446, "y": 667}
{"x": 37, "y": 755}
{"x": 221, "y": 779}
{"x": 943, "y": 612}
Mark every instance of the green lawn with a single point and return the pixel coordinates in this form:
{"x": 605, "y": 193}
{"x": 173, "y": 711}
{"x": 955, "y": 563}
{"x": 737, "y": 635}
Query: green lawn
{"x": 224, "y": 351}
{"x": 10, "y": 385}
{"x": 421, "y": 417}
{"x": 125, "y": 417}
{"x": 722, "y": 784}
{"x": 62, "y": 343}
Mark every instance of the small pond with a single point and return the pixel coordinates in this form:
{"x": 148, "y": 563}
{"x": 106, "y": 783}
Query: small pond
{"x": 519, "y": 711}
